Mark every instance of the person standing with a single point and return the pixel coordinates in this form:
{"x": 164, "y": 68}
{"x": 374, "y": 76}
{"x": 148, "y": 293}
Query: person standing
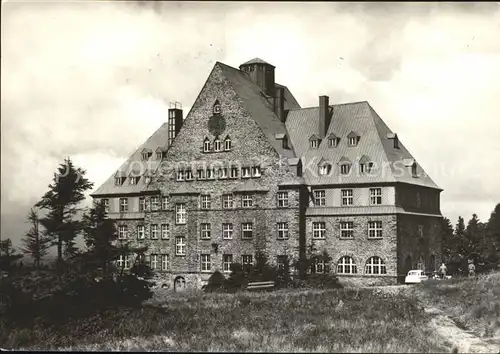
{"x": 442, "y": 270}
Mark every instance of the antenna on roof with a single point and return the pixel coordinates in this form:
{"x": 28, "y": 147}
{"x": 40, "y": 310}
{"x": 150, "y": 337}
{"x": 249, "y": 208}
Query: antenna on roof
{"x": 175, "y": 105}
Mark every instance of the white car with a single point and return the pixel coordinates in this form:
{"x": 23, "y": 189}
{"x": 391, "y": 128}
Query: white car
{"x": 415, "y": 276}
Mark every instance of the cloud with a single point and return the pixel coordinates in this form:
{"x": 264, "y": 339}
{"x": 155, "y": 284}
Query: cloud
{"x": 93, "y": 80}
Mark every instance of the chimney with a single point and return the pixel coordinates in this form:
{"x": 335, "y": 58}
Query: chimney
{"x": 175, "y": 120}
{"x": 261, "y": 73}
{"x": 324, "y": 116}
{"x": 279, "y": 103}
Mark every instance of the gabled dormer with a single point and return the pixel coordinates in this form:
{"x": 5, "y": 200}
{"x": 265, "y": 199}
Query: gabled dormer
{"x": 353, "y": 139}
{"x": 394, "y": 138}
{"x": 148, "y": 175}
{"x": 146, "y": 154}
{"x": 217, "y": 144}
{"x": 284, "y": 140}
{"x": 345, "y": 165}
{"x": 324, "y": 167}
{"x": 333, "y": 140}
{"x": 365, "y": 164}
{"x": 134, "y": 177}
{"x": 160, "y": 153}
{"x": 207, "y": 145}
{"x": 216, "y": 108}
{"x": 120, "y": 177}
{"x": 314, "y": 142}
{"x": 227, "y": 143}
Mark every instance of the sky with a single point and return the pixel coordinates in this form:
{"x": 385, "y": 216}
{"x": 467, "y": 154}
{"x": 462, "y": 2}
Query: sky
{"x": 93, "y": 80}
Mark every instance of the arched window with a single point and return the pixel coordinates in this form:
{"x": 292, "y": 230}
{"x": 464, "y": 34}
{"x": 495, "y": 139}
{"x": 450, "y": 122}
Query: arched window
{"x": 375, "y": 265}
{"x": 227, "y": 143}
{"x": 206, "y": 145}
{"x": 216, "y": 108}
{"x": 346, "y": 265}
{"x": 217, "y": 144}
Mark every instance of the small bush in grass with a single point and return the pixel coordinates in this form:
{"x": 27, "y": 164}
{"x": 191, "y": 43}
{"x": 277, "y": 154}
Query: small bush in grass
{"x": 236, "y": 279}
{"x": 216, "y": 282}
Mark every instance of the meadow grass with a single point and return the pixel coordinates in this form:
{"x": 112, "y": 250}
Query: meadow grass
{"x": 340, "y": 320}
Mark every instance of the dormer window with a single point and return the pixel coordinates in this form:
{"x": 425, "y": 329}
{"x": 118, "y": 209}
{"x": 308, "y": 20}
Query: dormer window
{"x": 147, "y": 179}
{"x": 333, "y": 140}
{"x": 206, "y": 145}
{"x": 345, "y": 168}
{"x": 216, "y": 107}
{"x": 365, "y": 165}
{"x": 256, "y": 171}
{"x": 134, "y": 180}
{"x": 146, "y": 154}
{"x": 325, "y": 169}
{"x": 227, "y": 143}
{"x": 352, "y": 139}
{"x": 158, "y": 155}
{"x": 217, "y": 145}
{"x": 119, "y": 181}
{"x": 314, "y": 142}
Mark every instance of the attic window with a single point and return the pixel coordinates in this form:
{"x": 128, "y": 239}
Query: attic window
{"x": 314, "y": 143}
{"x": 206, "y": 145}
{"x": 325, "y": 169}
{"x": 333, "y": 142}
{"x": 147, "y": 179}
{"x": 345, "y": 168}
{"x": 134, "y": 180}
{"x": 217, "y": 145}
{"x": 227, "y": 143}
{"x": 365, "y": 167}
{"x": 158, "y": 155}
{"x": 145, "y": 156}
{"x": 216, "y": 108}
{"x": 352, "y": 139}
{"x": 119, "y": 181}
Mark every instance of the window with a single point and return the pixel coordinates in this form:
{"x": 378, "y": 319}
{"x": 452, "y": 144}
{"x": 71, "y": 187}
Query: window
{"x": 365, "y": 167}
{"x": 375, "y": 265}
{"x": 165, "y": 231}
{"x": 247, "y": 259}
{"x": 180, "y": 213}
{"x": 123, "y": 261}
{"x": 222, "y": 173}
{"x": 418, "y": 200}
{"x": 281, "y": 261}
{"x": 325, "y": 169}
{"x": 145, "y": 156}
{"x": 345, "y": 168}
{"x": 159, "y": 155}
{"x": 210, "y": 173}
{"x": 122, "y": 232}
{"x": 319, "y": 198}
{"x": 346, "y": 265}
{"x": 154, "y": 261}
{"x": 227, "y": 144}
{"x": 247, "y": 230}
{"x": 217, "y": 145}
{"x": 282, "y": 230}
{"x": 206, "y": 145}
{"x": 147, "y": 179}
{"x": 320, "y": 266}
{"x": 414, "y": 170}
{"x": 140, "y": 232}
{"x": 227, "y": 231}
{"x": 246, "y": 201}
{"x": 118, "y": 181}
{"x": 188, "y": 175}
{"x": 134, "y": 180}
{"x": 347, "y": 196}
{"x": 346, "y": 229}
{"x": 332, "y": 142}
{"x": 154, "y": 231}
{"x": 123, "y": 205}
{"x": 180, "y": 175}
{"x": 227, "y": 201}
{"x": 374, "y": 229}
{"x": 205, "y": 231}
{"x": 319, "y": 230}
{"x": 227, "y": 260}
{"x": 282, "y": 199}
{"x": 234, "y": 172}
{"x": 142, "y": 204}
{"x": 206, "y": 202}
{"x": 105, "y": 202}
{"x": 352, "y": 141}
{"x": 375, "y": 196}
{"x": 256, "y": 171}
{"x": 216, "y": 108}
{"x": 206, "y": 264}
{"x": 165, "y": 203}
{"x": 180, "y": 246}
{"x": 245, "y": 172}
{"x": 155, "y": 203}
{"x": 314, "y": 144}
{"x": 165, "y": 262}
{"x": 201, "y": 174}
{"x": 171, "y": 126}
{"x": 420, "y": 230}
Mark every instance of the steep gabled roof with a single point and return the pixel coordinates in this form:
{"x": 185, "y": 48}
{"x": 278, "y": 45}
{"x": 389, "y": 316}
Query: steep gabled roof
{"x": 256, "y": 61}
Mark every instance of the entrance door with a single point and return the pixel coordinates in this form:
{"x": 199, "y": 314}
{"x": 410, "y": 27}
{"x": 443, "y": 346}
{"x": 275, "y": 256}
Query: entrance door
{"x": 179, "y": 284}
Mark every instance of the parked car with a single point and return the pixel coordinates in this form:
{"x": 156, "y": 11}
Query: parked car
{"x": 415, "y": 276}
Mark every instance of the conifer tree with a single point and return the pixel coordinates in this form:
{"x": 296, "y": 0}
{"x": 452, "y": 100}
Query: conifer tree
{"x": 36, "y": 243}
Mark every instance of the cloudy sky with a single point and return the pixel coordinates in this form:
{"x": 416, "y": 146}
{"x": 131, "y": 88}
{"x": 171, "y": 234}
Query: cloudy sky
{"x": 92, "y": 80}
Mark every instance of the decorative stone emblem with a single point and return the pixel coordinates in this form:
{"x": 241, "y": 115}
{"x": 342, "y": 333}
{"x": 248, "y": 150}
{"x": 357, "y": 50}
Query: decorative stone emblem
{"x": 216, "y": 125}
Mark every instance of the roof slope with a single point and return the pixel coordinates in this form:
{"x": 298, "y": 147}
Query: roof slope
{"x": 136, "y": 166}
{"x": 358, "y": 117}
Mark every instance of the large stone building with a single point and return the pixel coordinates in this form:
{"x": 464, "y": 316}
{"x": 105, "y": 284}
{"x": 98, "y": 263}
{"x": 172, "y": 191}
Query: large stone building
{"x": 249, "y": 169}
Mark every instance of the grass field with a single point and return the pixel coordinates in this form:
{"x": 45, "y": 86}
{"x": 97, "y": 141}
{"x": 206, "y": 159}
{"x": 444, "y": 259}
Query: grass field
{"x": 343, "y": 320}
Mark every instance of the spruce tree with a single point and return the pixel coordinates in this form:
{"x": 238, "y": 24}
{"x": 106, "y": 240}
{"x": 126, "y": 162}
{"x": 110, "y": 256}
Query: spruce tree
{"x": 8, "y": 256}
{"x": 493, "y": 237}
{"x": 448, "y": 240}
{"x": 36, "y": 243}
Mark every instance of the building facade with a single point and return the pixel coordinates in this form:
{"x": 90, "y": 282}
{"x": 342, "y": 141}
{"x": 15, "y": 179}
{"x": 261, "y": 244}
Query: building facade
{"x": 250, "y": 170}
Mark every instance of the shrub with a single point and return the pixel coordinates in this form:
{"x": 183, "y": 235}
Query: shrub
{"x": 318, "y": 281}
{"x": 236, "y": 279}
{"x": 215, "y": 282}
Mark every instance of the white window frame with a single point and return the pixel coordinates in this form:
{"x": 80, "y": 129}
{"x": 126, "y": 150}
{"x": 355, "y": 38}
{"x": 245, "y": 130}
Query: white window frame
{"x": 227, "y": 144}
{"x": 155, "y": 203}
{"x": 122, "y": 232}
{"x": 375, "y": 196}
{"x": 227, "y": 260}
{"x": 345, "y": 168}
{"x": 206, "y": 263}
{"x": 154, "y": 230}
{"x": 205, "y": 231}
{"x": 247, "y": 227}
{"x": 234, "y": 172}
{"x": 227, "y": 201}
{"x": 165, "y": 202}
{"x": 283, "y": 231}
{"x": 206, "y": 146}
{"x": 282, "y": 199}
{"x": 245, "y": 172}
{"x": 217, "y": 145}
{"x": 180, "y": 246}
{"x": 319, "y": 230}
{"x": 105, "y": 202}
{"x": 320, "y": 197}
{"x": 123, "y": 205}
{"x": 247, "y": 201}
{"x": 142, "y": 204}
{"x": 375, "y": 266}
{"x": 180, "y": 214}
{"x": 180, "y": 175}
{"x": 223, "y": 173}
{"x": 205, "y": 202}
{"x": 210, "y": 173}
{"x": 352, "y": 141}
{"x": 165, "y": 262}
{"x": 347, "y": 229}
{"x": 375, "y": 229}
{"x": 256, "y": 171}
{"x": 153, "y": 261}
{"x": 325, "y": 169}
{"x": 332, "y": 142}
{"x": 347, "y": 197}
{"x": 123, "y": 260}
{"x": 165, "y": 231}
{"x": 247, "y": 259}
{"x": 320, "y": 266}
{"x": 227, "y": 231}
{"x": 188, "y": 175}
{"x": 141, "y": 232}
{"x": 280, "y": 261}
{"x": 200, "y": 174}
{"x": 346, "y": 265}
{"x": 314, "y": 144}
